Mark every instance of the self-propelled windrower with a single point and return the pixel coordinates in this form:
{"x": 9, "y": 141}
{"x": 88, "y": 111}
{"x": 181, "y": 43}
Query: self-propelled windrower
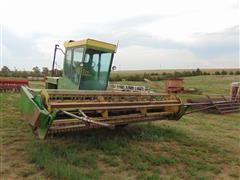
{"x": 80, "y": 99}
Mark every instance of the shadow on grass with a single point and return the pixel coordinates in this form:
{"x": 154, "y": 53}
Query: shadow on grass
{"x": 77, "y": 155}
{"x": 141, "y": 132}
{"x": 113, "y": 142}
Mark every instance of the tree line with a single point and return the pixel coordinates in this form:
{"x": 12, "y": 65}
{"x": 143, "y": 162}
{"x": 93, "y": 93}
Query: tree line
{"x": 160, "y": 76}
{"x": 35, "y": 72}
{"x": 155, "y": 76}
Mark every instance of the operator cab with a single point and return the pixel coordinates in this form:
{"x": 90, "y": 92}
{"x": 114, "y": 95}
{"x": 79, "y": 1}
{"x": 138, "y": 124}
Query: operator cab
{"x": 87, "y": 64}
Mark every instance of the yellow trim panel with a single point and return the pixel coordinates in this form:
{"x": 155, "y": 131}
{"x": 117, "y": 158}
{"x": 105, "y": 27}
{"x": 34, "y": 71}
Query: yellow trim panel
{"x": 92, "y": 43}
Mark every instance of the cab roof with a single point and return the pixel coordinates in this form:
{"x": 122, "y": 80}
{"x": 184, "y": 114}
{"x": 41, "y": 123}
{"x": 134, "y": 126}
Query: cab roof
{"x": 91, "y": 43}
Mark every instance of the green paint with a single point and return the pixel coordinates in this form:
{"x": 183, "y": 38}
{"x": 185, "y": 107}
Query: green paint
{"x": 38, "y": 100}
{"x": 26, "y": 105}
{"x": 45, "y": 123}
{"x": 88, "y": 69}
{"x": 34, "y": 111}
{"x": 52, "y": 80}
{"x": 66, "y": 83}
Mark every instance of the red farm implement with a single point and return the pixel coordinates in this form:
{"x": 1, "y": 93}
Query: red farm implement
{"x": 12, "y": 84}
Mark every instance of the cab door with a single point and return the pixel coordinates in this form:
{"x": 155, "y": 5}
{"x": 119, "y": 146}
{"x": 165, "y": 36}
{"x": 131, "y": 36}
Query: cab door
{"x": 72, "y": 68}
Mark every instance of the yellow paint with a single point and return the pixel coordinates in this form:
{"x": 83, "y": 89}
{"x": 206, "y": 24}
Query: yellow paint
{"x": 92, "y": 43}
{"x": 143, "y": 111}
{"x": 173, "y": 109}
{"x": 45, "y": 96}
{"x": 100, "y": 98}
{"x": 105, "y": 114}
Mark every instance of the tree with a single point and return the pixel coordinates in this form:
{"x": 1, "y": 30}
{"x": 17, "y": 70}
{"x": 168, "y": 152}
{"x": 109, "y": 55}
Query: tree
{"x": 5, "y": 69}
{"x": 24, "y": 74}
{"x": 177, "y": 74}
{"x": 36, "y": 71}
{"x": 198, "y": 72}
{"x": 224, "y": 72}
{"x": 45, "y": 71}
{"x": 186, "y": 73}
{"x": 237, "y": 72}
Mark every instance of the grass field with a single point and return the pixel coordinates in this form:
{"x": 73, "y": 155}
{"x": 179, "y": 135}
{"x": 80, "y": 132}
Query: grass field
{"x": 200, "y": 146}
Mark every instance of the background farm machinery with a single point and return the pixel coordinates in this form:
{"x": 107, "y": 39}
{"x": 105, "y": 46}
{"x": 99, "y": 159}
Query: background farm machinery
{"x": 12, "y": 84}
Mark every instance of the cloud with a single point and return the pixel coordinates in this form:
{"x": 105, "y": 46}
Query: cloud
{"x": 136, "y": 50}
{"x": 24, "y": 52}
{"x": 150, "y": 33}
{"x": 139, "y": 57}
{"x": 136, "y": 21}
{"x": 217, "y": 44}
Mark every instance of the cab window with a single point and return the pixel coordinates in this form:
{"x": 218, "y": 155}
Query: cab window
{"x": 77, "y": 59}
{"x": 68, "y": 61}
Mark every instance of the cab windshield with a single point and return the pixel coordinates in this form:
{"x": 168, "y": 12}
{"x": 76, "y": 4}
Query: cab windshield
{"x": 88, "y": 68}
{"x": 95, "y": 69}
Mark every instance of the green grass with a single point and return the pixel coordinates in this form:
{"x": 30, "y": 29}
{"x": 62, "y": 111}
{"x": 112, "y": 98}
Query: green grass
{"x": 214, "y": 84}
{"x": 64, "y": 162}
{"x": 37, "y": 84}
{"x": 199, "y": 146}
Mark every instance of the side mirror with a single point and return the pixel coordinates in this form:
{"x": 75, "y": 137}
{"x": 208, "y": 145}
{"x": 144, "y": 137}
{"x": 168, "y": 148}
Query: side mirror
{"x": 114, "y": 68}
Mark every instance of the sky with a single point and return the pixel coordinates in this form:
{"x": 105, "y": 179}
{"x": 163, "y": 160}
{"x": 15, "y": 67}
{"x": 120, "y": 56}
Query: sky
{"x": 152, "y": 34}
